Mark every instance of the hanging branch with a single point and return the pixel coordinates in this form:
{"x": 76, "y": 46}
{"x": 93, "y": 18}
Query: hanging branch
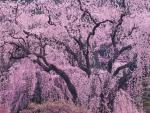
{"x": 42, "y": 61}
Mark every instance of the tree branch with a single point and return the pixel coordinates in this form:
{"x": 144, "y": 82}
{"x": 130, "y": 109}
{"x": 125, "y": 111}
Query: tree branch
{"x": 130, "y": 65}
{"x": 116, "y": 55}
{"x": 115, "y": 30}
{"x": 41, "y": 61}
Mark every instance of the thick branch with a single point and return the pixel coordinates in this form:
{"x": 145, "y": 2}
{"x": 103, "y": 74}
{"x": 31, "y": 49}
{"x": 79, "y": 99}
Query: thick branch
{"x": 62, "y": 74}
{"x": 116, "y": 55}
{"x": 130, "y": 65}
{"x": 48, "y": 67}
{"x": 76, "y": 58}
{"x": 92, "y": 33}
{"x": 129, "y": 47}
